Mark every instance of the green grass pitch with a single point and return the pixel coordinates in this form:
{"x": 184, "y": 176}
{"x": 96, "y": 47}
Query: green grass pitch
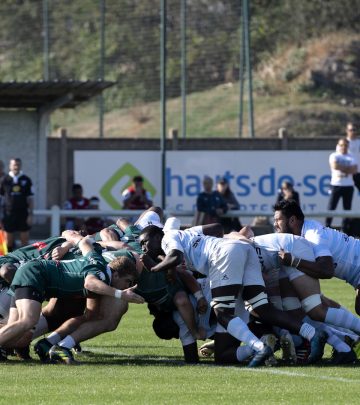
{"x": 132, "y": 366}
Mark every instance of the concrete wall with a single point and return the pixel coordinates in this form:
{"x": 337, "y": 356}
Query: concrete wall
{"x": 20, "y": 137}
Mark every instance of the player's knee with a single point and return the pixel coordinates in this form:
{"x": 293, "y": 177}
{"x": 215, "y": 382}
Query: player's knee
{"x": 224, "y": 308}
{"x": 111, "y": 324}
{"x": 181, "y": 299}
{"x": 27, "y": 323}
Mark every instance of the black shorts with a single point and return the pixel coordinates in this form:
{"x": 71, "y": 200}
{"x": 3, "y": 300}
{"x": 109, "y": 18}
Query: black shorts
{"x": 15, "y": 223}
{"x": 29, "y": 293}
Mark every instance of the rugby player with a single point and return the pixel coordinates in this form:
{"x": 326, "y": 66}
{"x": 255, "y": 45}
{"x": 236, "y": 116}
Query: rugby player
{"x": 232, "y": 267}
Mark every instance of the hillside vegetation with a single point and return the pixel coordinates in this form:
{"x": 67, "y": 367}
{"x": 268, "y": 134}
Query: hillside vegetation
{"x": 304, "y": 54}
{"x": 311, "y": 90}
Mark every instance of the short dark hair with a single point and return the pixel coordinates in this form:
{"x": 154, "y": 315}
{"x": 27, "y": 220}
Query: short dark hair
{"x": 138, "y": 178}
{"x": 289, "y": 208}
{"x": 152, "y": 230}
{"x": 76, "y": 186}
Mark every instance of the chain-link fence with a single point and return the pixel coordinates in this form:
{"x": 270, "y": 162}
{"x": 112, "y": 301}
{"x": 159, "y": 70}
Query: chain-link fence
{"x": 119, "y": 40}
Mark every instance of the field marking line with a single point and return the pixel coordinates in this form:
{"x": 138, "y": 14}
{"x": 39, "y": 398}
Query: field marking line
{"x": 297, "y": 374}
{"x": 268, "y": 370}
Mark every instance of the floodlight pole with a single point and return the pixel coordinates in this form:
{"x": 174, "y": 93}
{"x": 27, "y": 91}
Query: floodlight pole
{"x": 163, "y": 101}
{"x": 45, "y": 10}
{"x": 241, "y": 76}
{"x": 246, "y": 20}
{"x": 102, "y": 66}
{"x": 183, "y": 67}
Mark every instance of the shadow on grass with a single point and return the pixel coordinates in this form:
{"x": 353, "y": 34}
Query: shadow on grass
{"x": 90, "y": 358}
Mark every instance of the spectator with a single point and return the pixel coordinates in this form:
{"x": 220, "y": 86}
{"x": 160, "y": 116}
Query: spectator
{"x": 3, "y": 246}
{"x": 354, "y": 149}
{"x": 229, "y": 224}
{"x": 287, "y": 192}
{"x": 94, "y": 224}
{"x": 2, "y": 170}
{"x": 76, "y": 202}
{"x": 136, "y": 197}
{"x": 18, "y": 204}
{"x": 343, "y": 166}
{"x": 209, "y": 204}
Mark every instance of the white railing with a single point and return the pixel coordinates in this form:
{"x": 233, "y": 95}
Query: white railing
{"x": 55, "y": 214}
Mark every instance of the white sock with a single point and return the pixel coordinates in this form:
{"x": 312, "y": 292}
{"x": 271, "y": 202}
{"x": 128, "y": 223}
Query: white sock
{"x": 67, "y": 342}
{"x": 243, "y": 352}
{"x": 41, "y": 327}
{"x": 239, "y": 329}
{"x": 307, "y": 331}
{"x": 54, "y": 338}
{"x": 338, "y": 344}
{"x": 344, "y": 318}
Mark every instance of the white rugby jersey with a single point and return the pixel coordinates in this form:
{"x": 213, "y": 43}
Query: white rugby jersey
{"x": 199, "y": 250}
{"x": 344, "y": 249}
{"x": 274, "y": 242}
{"x": 268, "y": 246}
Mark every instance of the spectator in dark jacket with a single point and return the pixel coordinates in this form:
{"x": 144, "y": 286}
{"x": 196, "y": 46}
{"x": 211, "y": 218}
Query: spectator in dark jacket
{"x": 287, "y": 192}
{"x": 229, "y": 224}
{"x": 209, "y": 204}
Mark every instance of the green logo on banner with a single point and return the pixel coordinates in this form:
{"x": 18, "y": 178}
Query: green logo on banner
{"x": 112, "y": 195}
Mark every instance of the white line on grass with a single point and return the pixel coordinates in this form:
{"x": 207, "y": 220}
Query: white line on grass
{"x": 297, "y": 374}
{"x": 267, "y": 370}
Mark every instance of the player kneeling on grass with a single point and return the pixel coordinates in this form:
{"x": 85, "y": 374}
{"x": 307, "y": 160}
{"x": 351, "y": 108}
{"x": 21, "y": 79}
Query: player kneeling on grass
{"x": 40, "y": 279}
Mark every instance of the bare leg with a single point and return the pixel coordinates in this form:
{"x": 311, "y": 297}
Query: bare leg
{"x": 28, "y": 315}
{"x": 186, "y": 310}
{"x": 108, "y": 315}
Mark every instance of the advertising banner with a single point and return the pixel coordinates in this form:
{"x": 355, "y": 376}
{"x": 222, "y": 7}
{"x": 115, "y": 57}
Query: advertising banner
{"x": 254, "y": 176}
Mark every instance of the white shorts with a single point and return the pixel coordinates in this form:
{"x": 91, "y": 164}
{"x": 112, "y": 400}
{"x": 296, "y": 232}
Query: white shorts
{"x": 235, "y": 263}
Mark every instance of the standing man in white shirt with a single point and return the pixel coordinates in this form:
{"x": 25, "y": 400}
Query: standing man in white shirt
{"x": 336, "y": 255}
{"x": 343, "y": 167}
{"x": 354, "y": 149}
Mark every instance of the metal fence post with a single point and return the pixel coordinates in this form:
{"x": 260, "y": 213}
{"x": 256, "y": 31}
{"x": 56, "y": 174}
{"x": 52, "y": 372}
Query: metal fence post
{"x": 55, "y": 220}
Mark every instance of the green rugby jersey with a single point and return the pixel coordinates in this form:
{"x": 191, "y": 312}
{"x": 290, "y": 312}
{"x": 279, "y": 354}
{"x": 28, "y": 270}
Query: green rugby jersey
{"x": 61, "y": 278}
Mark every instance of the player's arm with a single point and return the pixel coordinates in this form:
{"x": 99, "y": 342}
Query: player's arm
{"x": 60, "y": 251}
{"x": 94, "y": 285}
{"x": 171, "y": 260}
{"x": 215, "y": 229}
{"x": 322, "y": 268}
{"x": 114, "y": 245}
{"x": 343, "y": 168}
{"x": 107, "y": 235}
{"x": 193, "y": 286}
